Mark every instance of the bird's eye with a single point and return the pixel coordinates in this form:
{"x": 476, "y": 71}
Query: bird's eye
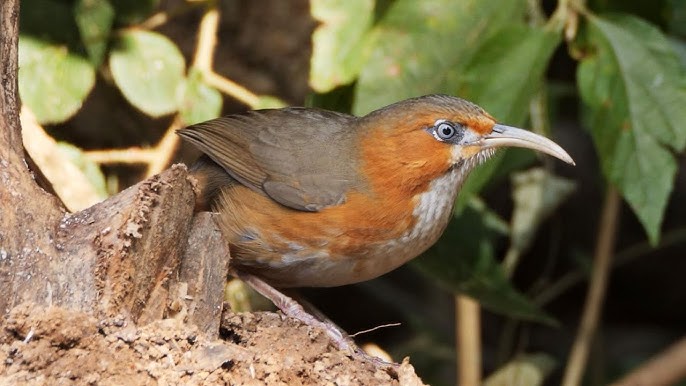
{"x": 445, "y": 131}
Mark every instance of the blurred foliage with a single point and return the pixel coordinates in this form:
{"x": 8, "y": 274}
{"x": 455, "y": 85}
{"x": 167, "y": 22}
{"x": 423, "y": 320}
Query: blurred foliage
{"x": 149, "y": 69}
{"x": 631, "y": 79}
{"x": 634, "y": 87}
{"x": 64, "y": 43}
{"x": 527, "y": 370}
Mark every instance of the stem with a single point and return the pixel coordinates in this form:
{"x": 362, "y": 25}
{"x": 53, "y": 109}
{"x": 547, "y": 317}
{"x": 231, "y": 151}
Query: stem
{"x": 629, "y": 254}
{"x": 540, "y": 123}
{"x": 596, "y": 292}
{"x": 535, "y": 13}
{"x": 207, "y": 39}
{"x": 133, "y": 155}
{"x": 468, "y": 334}
{"x": 204, "y": 52}
{"x": 232, "y": 89}
{"x": 510, "y": 261}
{"x": 666, "y": 368}
{"x": 164, "y": 150}
{"x": 566, "y": 17}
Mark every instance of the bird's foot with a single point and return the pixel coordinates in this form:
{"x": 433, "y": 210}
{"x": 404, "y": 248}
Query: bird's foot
{"x": 293, "y": 309}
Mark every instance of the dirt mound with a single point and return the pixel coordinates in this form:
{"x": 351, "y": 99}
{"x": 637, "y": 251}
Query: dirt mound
{"x": 56, "y": 346}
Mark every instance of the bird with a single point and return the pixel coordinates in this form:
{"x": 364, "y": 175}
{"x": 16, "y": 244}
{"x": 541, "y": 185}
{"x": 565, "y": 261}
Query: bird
{"x": 308, "y": 197}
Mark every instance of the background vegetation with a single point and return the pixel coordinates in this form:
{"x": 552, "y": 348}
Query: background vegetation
{"x": 110, "y": 81}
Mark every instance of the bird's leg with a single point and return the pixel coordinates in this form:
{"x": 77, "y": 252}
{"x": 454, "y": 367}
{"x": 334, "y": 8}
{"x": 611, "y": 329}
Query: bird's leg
{"x": 293, "y": 309}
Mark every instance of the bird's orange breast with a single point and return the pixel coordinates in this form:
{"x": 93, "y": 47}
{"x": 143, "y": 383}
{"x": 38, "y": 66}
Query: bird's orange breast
{"x": 339, "y": 239}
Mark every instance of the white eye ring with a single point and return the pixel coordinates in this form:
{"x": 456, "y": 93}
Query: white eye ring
{"x": 445, "y": 131}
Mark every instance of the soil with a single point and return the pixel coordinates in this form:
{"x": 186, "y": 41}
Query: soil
{"x": 55, "y": 346}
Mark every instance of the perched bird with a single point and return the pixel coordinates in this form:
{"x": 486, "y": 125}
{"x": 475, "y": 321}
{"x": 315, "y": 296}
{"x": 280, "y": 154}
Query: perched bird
{"x": 309, "y": 197}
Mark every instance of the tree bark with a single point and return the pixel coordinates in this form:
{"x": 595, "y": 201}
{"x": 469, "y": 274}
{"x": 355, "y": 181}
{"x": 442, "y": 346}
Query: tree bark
{"x": 119, "y": 257}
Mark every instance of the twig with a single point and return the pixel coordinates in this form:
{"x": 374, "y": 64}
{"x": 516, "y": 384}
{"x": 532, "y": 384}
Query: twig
{"x": 156, "y": 158}
{"x": 162, "y": 17}
{"x": 468, "y": 333}
{"x": 164, "y": 150}
{"x": 374, "y": 329}
{"x": 132, "y": 155}
{"x": 156, "y": 20}
{"x": 665, "y": 368}
{"x": 566, "y": 17}
{"x": 596, "y": 292}
{"x": 207, "y": 39}
{"x": 540, "y": 123}
{"x": 232, "y": 89}
{"x": 627, "y": 255}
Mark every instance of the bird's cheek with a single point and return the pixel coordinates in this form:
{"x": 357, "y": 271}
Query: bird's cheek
{"x": 469, "y": 151}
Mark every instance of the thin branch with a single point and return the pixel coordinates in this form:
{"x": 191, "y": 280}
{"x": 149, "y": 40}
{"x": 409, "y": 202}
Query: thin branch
{"x": 468, "y": 334}
{"x": 156, "y": 158}
{"x": 627, "y": 255}
{"x": 204, "y": 52}
{"x": 232, "y": 89}
{"x": 164, "y": 150}
{"x": 535, "y": 13}
{"x": 132, "y": 155}
{"x": 566, "y": 17}
{"x": 160, "y": 18}
{"x": 666, "y": 368}
{"x": 374, "y": 329}
{"x": 596, "y": 292}
{"x": 540, "y": 123}
{"x": 156, "y": 20}
{"x": 207, "y": 39}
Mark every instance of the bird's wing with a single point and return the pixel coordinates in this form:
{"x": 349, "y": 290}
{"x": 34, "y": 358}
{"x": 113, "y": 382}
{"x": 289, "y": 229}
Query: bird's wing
{"x": 297, "y": 156}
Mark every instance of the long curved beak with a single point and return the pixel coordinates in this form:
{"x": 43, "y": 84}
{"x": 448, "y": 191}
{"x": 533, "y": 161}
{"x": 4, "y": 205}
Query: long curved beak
{"x": 503, "y": 136}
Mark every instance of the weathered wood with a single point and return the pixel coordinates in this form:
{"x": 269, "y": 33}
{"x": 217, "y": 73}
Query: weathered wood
{"x": 202, "y": 275}
{"x": 128, "y": 247}
{"x": 116, "y": 257}
{"x": 10, "y": 139}
{"x": 28, "y": 213}
{"x": 111, "y": 257}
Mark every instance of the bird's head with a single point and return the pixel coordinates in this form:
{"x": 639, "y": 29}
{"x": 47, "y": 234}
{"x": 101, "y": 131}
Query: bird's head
{"x": 420, "y": 139}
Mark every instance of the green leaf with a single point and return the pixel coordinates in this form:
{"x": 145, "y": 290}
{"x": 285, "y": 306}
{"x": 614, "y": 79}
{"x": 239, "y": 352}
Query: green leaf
{"x": 525, "y": 370}
{"x": 635, "y": 89}
{"x": 149, "y": 70}
{"x": 421, "y": 47}
{"x": 90, "y": 169}
{"x": 338, "y": 43}
{"x": 94, "y": 19}
{"x": 201, "y": 102}
{"x": 504, "y": 75}
{"x": 536, "y": 194}
{"x": 501, "y": 72}
{"x": 464, "y": 261}
{"x": 53, "y": 81}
